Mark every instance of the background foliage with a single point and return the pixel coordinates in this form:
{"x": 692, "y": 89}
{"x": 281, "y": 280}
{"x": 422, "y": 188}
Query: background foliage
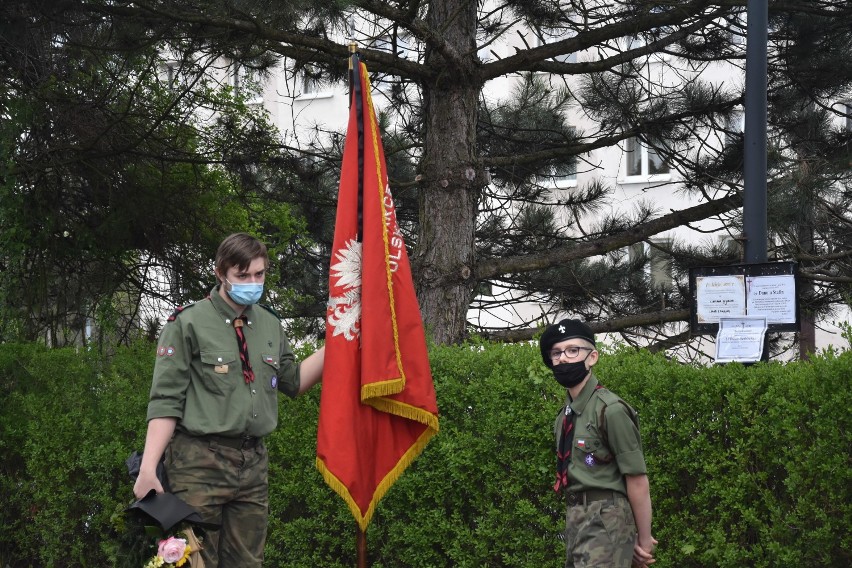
{"x": 130, "y": 144}
{"x": 749, "y": 466}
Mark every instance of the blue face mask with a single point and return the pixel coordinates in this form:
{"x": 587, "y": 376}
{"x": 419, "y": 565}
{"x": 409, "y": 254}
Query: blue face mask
{"x": 245, "y": 294}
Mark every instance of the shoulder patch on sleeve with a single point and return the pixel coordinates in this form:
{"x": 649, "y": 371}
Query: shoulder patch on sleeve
{"x": 178, "y": 311}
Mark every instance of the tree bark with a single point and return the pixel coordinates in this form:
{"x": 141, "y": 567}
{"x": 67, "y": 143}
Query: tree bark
{"x": 452, "y": 177}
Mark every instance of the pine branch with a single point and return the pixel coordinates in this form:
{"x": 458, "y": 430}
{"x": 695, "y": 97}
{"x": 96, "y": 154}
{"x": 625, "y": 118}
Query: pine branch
{"x": 612, "y": 325}
{"x": 495, "y": 267}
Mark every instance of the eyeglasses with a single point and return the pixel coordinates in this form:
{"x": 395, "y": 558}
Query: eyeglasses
{"x": 569, "y": 352}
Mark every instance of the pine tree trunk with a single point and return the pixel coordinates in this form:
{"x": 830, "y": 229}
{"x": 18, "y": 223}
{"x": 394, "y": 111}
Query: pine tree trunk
{"x": 451, "y": 177}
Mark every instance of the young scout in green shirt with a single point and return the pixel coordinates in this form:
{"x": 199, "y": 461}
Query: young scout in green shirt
{"x": 219, "y": 367}
{"x": 600, "y": 464}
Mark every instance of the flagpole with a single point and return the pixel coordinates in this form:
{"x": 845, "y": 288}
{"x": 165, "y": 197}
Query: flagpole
{"x": 380, "y": 389}
{"x": 356, "y": 97}
{"x": 355, "y": 87}
{"x": 361, "y": 545}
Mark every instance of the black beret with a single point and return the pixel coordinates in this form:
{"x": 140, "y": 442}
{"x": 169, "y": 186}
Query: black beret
{"x": 560, "y": 331}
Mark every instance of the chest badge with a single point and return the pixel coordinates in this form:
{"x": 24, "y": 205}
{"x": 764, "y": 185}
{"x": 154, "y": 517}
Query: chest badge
{"x": 273, "y": 382}
{"x": 589, "y": 460}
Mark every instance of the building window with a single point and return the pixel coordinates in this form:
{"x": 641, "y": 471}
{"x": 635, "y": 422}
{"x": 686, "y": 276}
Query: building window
{"x": 172, "y": 74}
{"x": 657, "y": 261}
{"x": 738, "y": 26}
{"x": 731, "y": 247}
{"x": 246, "y": 83}
{"x": 563, "y": 177}
{"x": 643, "y": 160}
{"x": 567, "y": 177}
{"x": 734, "y": 127}
{"x": 660, "y": 264}
{"x": 636, "y": 253}
{"x": 383, "y": 82}
{"x": 311, "y": 86}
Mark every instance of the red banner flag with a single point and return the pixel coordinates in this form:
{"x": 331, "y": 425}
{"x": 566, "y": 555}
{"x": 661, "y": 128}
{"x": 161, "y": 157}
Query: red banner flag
{"x": 378, "y": 407}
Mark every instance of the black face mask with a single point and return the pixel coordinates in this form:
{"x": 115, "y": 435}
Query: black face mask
{"x": 570, "y": 374}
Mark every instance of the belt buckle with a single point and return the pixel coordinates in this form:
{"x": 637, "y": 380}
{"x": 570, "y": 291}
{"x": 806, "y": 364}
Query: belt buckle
{"x": 574, "y": 499}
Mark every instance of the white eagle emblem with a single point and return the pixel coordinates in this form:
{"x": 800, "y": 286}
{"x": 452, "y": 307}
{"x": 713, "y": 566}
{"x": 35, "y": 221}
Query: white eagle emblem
{"x": 345, "y": 311}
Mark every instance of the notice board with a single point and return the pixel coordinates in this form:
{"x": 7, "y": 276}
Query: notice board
{"x": 762, "y": 289}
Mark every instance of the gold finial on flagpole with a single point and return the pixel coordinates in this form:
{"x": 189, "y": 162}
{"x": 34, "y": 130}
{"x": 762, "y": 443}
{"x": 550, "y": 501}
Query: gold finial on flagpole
{"x": 353, "y": 48}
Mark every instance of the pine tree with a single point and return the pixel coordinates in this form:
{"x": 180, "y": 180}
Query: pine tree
{"x": 469, "y": 167}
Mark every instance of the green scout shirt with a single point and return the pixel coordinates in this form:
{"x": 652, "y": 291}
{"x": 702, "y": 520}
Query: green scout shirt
{"x": 601, "y": 460}
{"x": 198, "y": 376}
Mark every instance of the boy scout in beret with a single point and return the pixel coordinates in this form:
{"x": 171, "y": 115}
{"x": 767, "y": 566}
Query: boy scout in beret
{"x": 600, "y": 464}
{"x": 220, "y": 365}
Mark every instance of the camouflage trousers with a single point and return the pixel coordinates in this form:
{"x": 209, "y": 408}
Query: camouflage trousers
{"x": 228, "y": 487}
{"x": 600, "y": 534}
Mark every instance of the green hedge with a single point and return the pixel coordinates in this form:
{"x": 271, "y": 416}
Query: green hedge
{"x": 748, "y": 466}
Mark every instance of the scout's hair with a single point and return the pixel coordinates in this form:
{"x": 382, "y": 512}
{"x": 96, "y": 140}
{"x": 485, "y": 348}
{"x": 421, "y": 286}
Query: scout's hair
{"x": 239, "y": 250}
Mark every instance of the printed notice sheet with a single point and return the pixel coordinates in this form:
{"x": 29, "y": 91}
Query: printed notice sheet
{"x": 720, "y": 297}
{"x": 740, "y": 339}
{"x": 773, "y": 297}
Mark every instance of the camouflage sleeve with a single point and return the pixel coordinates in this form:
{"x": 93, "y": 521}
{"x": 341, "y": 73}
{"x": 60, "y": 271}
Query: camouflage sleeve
{"x": 288, "y": 379}
{"x": 171, "y": 373}
{"x": 624, "y": 440}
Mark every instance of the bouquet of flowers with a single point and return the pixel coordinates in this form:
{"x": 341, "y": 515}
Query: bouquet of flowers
{"x": 171, "y": 552}
{"x": 182, "y": 548}
{"x": 177, "y": 544}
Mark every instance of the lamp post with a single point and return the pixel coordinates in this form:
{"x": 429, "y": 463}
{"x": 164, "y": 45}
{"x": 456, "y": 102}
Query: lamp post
{"x": 755, "y": 166}
{"x": 754, "y": 171}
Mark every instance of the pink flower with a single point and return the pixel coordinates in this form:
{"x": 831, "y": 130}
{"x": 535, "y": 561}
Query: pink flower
{"x": 172, "y": 549}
